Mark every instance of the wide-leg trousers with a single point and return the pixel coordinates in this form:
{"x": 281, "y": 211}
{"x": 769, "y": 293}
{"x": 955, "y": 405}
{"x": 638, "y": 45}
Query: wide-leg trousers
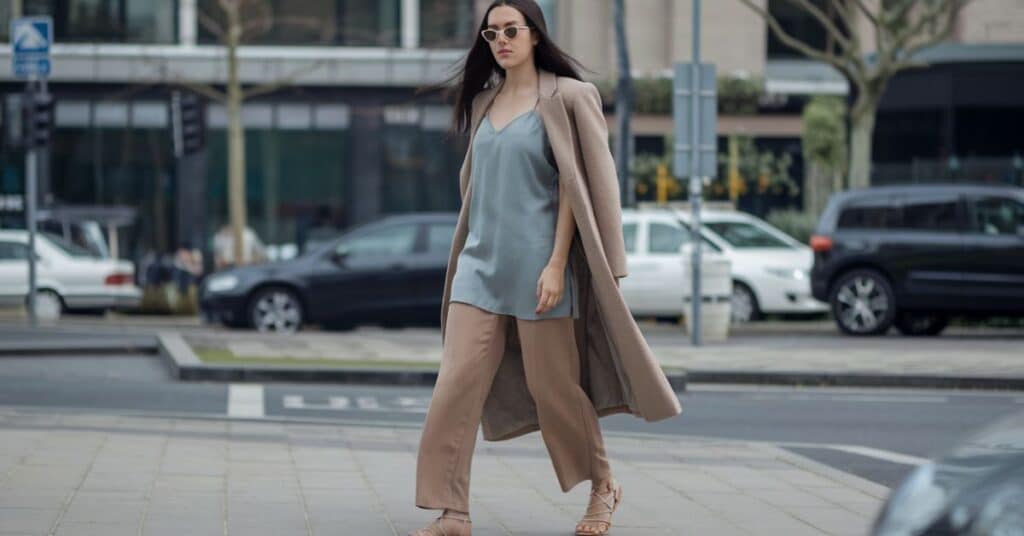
{"x": 474, "y": 345}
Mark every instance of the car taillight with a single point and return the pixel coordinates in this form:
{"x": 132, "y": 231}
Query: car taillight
{"x": 821, "y": 244}
{"x": 118, "y": 279}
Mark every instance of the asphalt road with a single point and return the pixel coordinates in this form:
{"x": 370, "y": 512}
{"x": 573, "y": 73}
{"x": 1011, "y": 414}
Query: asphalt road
{"x": 874, "y": 433}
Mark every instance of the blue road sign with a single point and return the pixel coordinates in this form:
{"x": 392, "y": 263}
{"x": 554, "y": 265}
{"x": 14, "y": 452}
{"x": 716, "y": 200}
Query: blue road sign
{"x": 30, "y": 46}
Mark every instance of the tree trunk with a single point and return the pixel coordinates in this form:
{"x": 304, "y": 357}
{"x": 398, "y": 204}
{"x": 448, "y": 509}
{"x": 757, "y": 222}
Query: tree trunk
{"x": 819, "y": 185}
{"x": 862, "y": 130}
{"x": 623, "y": 106}
{"x": 236, "y": 142}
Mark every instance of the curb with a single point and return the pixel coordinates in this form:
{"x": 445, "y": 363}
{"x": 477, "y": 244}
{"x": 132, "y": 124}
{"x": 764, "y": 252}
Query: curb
{"x": 184, "y": 365}
{"x": 847, "y": 379}
{"x": 138, "y": 345}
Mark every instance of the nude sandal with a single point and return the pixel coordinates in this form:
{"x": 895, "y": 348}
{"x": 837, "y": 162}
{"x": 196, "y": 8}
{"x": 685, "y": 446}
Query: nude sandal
{"x": 602, "y": 514}
{"x": 447, "y": 524}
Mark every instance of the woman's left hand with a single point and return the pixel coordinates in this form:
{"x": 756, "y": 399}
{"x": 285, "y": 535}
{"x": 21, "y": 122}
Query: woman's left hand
{"x": 550, "y": 287}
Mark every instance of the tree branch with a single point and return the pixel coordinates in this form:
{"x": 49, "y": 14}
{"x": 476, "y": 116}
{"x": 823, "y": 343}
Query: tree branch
{"x": 824, "y": 20}
{"x": 203, "y": 89}
{"x": 842, "y": 63}
{"x": 902, "y": 54}
{"x": 281, "y": 82}
{"x": 211, "y": 25}
{"x": 866, "y": 11}
{"x": 266, "y": 23}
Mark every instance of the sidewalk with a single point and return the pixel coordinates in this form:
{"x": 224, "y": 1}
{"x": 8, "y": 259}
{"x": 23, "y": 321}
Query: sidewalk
{"x": 91, "y": 474}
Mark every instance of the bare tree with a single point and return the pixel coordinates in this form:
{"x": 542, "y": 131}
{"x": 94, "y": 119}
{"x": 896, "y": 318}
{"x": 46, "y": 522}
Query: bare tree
{"x": 623, "y": 104}
{"x": 237, "y": 22}
{"x": 900, "y": 29}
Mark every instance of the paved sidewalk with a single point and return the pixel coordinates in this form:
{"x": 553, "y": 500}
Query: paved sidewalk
{"x": 91, "y": 474}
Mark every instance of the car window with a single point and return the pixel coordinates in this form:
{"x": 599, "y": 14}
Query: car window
{"x": 391, "y": 240}
{"x": 664, "y": 238}
{"x": 997, "y": 216}
{"x": 746, "y": 235}
{"x": 439, "y": 237}
{"x": 68, "y": 248}
{"x": 13, "y": 251}
{"x": 931, "y": 214}
{"x": 629, "y": 234}
{"x": 879, "y": 213}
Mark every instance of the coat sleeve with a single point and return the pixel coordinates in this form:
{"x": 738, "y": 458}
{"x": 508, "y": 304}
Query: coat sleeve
{"x": 601, "y": 179}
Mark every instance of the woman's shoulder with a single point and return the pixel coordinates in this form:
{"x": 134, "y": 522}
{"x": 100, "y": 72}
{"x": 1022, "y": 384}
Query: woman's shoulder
{"x": 573, "y": 90}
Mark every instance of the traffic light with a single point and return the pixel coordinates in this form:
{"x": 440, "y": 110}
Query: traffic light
{"x": 188, "y": 123}
{"x": 37, "y": 119}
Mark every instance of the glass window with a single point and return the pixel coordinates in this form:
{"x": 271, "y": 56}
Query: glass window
{"x": 629, "y": 235}
{"x": 870, "y": 214}
{"x": 796, "y": 21}
{"x": 13, "y": 251}
{"x": 447, "y": 23}
{"x": 114, "y": 21}
{"x": 310, "y": 22}
{"x": 392, "y": 240}
{"x": 439, "y": 237}
{"x": 746, "y": 235}
{"x": 664, "y": 238}
{"x": 934, "y": 214}
{"x": 997, "y": 216}
{"x": 72, "y": 250}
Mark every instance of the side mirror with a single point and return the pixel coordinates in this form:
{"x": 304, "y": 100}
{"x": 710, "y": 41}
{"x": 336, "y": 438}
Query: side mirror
{"x": 339, "y": 254}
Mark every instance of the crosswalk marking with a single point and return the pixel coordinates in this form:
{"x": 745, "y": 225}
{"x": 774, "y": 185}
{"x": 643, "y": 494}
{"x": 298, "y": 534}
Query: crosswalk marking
{"x": 402, "y": 404}
{"x": 245, "y": 400}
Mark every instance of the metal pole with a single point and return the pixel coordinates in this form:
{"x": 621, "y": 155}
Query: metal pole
{"x": 696, "y": 296}
{"x": 30, "y": 204}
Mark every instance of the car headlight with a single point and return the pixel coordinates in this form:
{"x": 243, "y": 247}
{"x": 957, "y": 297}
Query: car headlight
{"x": 788, "y": 273}
{"x": 914, "y": 505}
{"x": 222, "y": 283}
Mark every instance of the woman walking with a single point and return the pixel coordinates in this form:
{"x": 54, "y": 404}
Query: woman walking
{"x": 536, "y": 335}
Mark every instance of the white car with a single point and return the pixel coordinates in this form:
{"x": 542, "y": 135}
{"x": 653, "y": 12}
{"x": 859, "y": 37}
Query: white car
{"x": 68, "y": 277}
{"x": 657, "y": 262}
{"x": 771, "y": 270}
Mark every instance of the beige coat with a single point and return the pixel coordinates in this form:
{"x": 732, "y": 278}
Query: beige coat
{"x": 618, "y": 370}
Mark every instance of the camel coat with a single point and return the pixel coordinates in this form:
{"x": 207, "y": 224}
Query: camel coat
{"x": 618, "y": 370}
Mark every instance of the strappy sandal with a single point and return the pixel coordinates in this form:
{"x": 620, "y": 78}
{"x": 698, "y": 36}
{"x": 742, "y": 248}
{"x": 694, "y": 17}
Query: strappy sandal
{"x": 447, "y": 524}
{"x": 600, "y": 513}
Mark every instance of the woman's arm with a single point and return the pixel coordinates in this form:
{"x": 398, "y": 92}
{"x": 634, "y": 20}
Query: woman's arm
{"x": 550, "y": 286}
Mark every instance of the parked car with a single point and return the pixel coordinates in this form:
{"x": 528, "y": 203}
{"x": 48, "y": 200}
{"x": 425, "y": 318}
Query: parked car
{"x": 390, "y": 271}
{"x": 657, "y": 262}
{"x": 771, "y": 270}
{"x": 915, "y": 255}
{"x": 975, "y": 489}
{"x": 68, "y": 277}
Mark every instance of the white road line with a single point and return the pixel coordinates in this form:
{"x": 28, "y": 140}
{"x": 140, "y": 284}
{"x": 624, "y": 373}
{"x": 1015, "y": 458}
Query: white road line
{"x": 368, "y": 402}
{"x": 869, "y": 452}
{"x": 245, "y": 400}
{"x": 338, "y": 402}
{"x": 294, "y": 402}
{"x": 854, "y": 398}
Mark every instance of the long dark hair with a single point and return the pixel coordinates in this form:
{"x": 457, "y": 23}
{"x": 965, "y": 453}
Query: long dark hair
{"x": 480, "y": 67}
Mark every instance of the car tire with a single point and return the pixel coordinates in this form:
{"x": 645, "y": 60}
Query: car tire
{"x": 743, "y": 307}
{"x": 921, "y": 324}
{"x": 863, "y": 303}
{"x": 49, "y": 305}
{"x": 275, "y": 310}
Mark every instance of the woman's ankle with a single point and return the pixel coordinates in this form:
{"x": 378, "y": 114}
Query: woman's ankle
{"x": 459, "y": 513}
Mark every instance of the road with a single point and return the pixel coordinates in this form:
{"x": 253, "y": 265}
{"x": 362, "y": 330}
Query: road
{"x": 874, "y": 433}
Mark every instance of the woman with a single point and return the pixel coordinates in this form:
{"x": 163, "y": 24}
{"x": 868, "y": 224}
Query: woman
{"x": 535, "y": 333}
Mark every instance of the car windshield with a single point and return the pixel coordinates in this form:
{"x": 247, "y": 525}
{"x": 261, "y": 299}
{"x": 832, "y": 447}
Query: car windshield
{"x": 68, "y": 248}
{"x": 745, "y": 235}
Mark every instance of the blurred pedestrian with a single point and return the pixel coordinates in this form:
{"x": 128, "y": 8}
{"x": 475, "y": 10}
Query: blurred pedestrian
{"x": 538, "y": 151}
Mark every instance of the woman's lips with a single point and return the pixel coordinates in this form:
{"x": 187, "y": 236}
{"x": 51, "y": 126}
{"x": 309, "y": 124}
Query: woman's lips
{"x": 504, "y": 52}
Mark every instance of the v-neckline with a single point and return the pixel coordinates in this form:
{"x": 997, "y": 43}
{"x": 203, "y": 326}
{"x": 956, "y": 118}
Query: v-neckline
{"x": 513, "y": 120}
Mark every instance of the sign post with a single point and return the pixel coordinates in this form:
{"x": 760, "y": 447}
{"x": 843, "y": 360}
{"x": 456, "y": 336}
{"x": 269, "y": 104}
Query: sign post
{"x": 695, "y": 156}
{"x": 30, "y": 43}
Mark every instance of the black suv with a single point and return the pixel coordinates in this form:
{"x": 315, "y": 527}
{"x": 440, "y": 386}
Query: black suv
{"x": 915, "y": 255}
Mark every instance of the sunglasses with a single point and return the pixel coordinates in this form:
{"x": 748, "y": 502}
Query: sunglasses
{"x": 510, "y": 32}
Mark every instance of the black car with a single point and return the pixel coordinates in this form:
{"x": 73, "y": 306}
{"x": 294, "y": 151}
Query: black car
{"x": 977, "y": 488}
{"x": 390, "y": 272}
{"x": 915, "y": 255}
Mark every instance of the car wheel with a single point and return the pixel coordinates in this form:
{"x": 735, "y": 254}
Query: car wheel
{"x": 49, "y": 305}
{"x": 863, "y": 303}
{"x": 921, "y": 324}
{"x": 744, "y": 307}
{"x": 275, "y": 310}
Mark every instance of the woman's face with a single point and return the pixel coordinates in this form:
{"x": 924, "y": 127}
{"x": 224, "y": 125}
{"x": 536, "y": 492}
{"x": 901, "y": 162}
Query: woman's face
{"x": 511, "y": 53}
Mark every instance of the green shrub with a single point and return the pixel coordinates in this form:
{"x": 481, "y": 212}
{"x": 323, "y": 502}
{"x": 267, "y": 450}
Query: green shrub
{"x": 798, "y": 224}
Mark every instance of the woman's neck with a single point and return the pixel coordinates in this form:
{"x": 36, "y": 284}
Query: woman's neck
{"x": 522, "y": 79}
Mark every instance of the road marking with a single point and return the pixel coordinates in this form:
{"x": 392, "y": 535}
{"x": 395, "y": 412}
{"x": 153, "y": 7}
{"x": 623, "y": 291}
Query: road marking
{"x": 869, "y": 452}
{"x": 245, "y": 400}
{"x": 367, "y": 403}
{"x": 403, "y": 404}
{"x": 853, "y": 398}
{"x": 338, "y": 402}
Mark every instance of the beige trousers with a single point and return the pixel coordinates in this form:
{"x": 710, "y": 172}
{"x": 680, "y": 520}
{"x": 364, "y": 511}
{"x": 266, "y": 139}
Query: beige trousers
{"x": 474, "y": 344}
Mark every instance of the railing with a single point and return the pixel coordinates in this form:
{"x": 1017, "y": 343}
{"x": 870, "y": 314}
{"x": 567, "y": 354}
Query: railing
{"x": 1008, "y": 170}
